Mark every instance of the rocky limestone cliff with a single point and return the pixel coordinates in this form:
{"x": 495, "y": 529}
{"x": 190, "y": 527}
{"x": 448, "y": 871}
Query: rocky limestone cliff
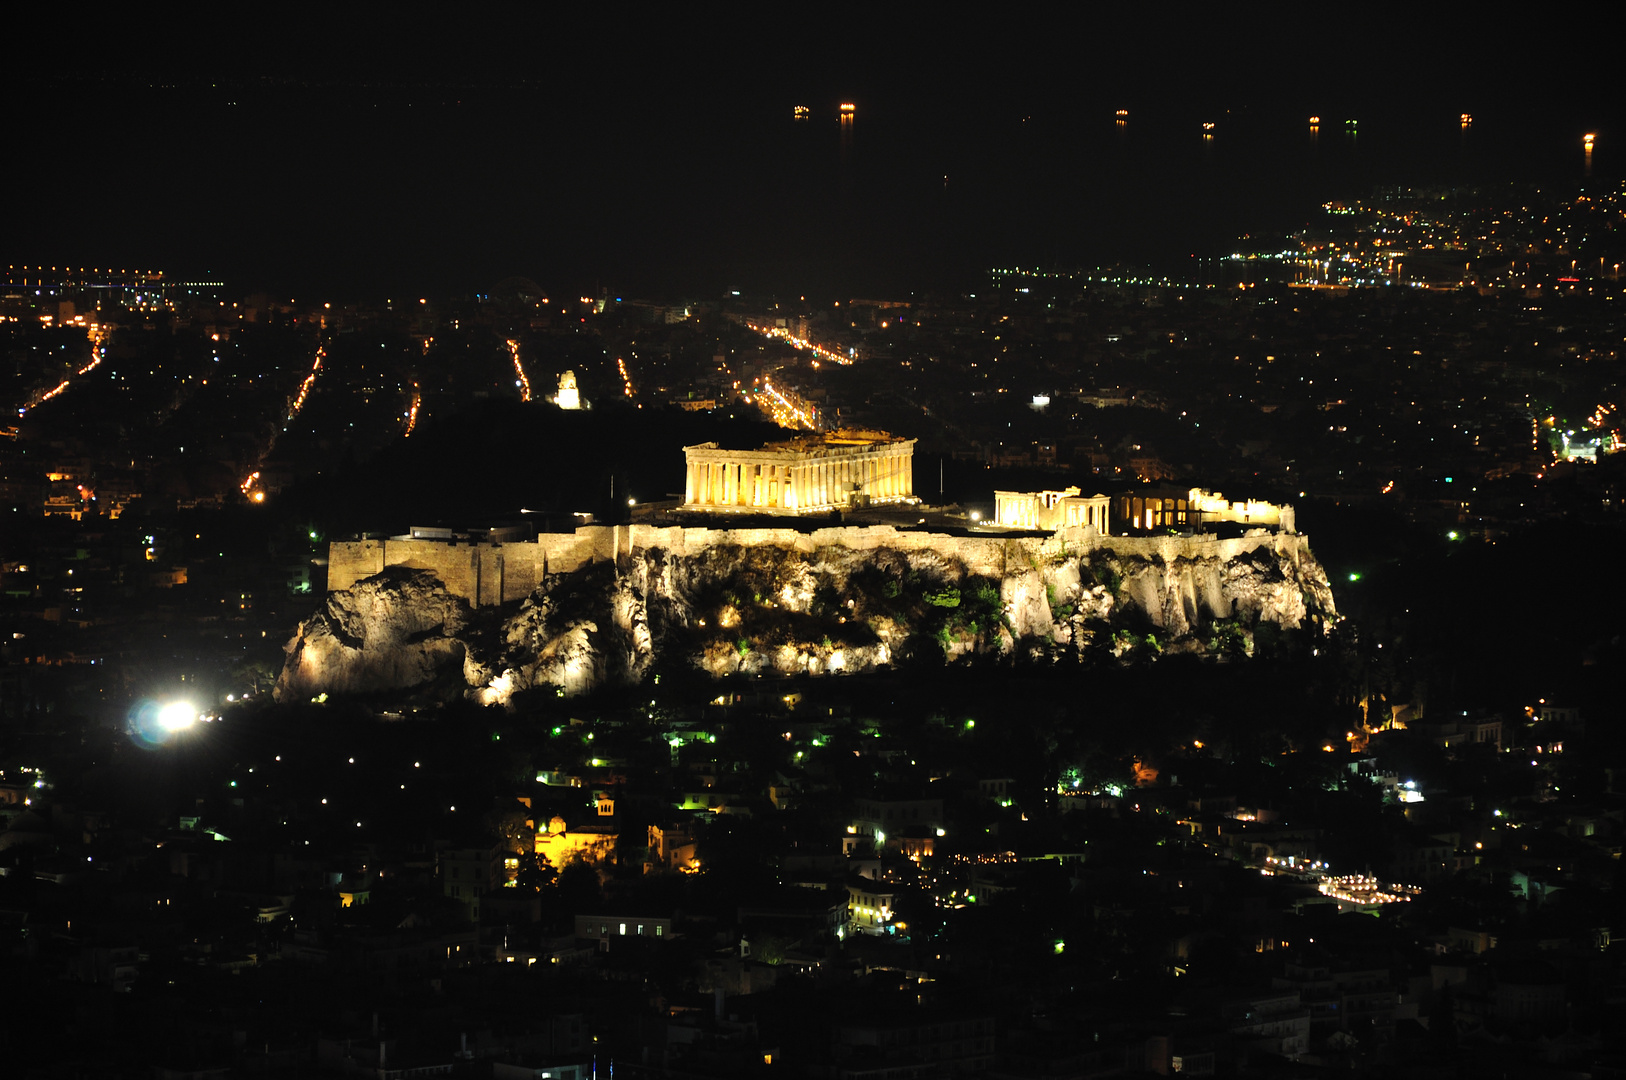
{"x": 771, "y": 609}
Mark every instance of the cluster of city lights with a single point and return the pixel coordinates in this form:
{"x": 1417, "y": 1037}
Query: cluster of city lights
{"x": 1365, "y": 889}
{"x": 523, "y": 382}
{"x": 250, "y": 487}
{"x": 1432, "y": 225}
{"x": 801, "y": 343}
{"x": 626, "y": 379}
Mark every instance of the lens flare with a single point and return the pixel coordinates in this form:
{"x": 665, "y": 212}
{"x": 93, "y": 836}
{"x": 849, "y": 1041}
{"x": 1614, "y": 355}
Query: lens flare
{"x": 153, "y": 723}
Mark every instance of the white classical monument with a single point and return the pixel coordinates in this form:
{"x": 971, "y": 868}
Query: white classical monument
{"x": 803, "y": 475}
{"x": 1052, "y": 509}
{"x": 569, "y": 397}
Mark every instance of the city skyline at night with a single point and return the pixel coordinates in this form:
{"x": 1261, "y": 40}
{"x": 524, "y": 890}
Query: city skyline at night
{"x": 823, "y": 544}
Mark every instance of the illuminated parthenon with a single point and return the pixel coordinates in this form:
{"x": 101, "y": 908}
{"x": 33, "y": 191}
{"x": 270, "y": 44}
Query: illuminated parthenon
{"x": 807, "y": 474}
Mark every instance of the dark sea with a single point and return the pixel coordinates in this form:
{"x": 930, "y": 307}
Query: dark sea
{"x": 361, "y": 190}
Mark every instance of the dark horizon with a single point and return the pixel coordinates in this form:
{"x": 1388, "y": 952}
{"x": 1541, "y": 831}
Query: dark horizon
{"x": 361, "y": 161}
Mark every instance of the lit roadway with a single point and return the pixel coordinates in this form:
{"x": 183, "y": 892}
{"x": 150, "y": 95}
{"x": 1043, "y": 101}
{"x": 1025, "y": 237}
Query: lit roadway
{"x": 522, "y": 382}
{"x": 412, "y": 411}
{"x": 801, "y": 343}
{"x": 787, "y": 413}
{"x": 98, "y": 352}
{"x": 250, "y": 487}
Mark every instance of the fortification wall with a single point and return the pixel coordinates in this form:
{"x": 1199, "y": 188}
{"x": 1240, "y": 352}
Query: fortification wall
{"x": 488, "y": 574}
{"x": 349, "y": 561}
{"x": 483, "y": 574}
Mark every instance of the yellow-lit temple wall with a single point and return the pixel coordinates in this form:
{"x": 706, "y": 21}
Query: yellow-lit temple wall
{"x": 807, "y": 474}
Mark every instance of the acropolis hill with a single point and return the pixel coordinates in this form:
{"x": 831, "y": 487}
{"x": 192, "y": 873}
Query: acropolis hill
{"x": 599, "y": 604}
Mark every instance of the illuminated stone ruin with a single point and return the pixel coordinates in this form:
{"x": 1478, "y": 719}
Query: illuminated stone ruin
{"x": 1114, "y": 514}
{"x": 808, "y": 474}
{"x": 1051, "y": 510}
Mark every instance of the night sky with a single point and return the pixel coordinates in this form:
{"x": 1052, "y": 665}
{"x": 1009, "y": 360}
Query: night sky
{"x": 654, "y": 154}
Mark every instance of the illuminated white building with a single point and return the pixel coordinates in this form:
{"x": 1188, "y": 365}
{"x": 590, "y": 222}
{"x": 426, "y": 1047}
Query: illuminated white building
{"x": 806, "y": 474}
{"x": 569, "y": 397}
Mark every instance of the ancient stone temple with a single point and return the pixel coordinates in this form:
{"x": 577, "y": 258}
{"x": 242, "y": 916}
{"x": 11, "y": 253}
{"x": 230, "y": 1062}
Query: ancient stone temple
{"x": 808, "y": 474}
{"x": 1067, "y": 508}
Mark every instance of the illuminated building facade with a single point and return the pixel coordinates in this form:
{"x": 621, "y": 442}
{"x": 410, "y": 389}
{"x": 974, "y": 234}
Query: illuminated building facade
{"x": 1196, "y": 508}
{"x": 807, "y": 474}
{"x": 569, "y": 396}
{"x": 1149, "y": 509}
{"x": 1062, "y": 509}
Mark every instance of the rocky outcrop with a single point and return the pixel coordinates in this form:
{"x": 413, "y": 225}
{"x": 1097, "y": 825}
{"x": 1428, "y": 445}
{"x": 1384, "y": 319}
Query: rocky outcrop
{"x": 398, "y": 630}
{"x": 774, "y": 609}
